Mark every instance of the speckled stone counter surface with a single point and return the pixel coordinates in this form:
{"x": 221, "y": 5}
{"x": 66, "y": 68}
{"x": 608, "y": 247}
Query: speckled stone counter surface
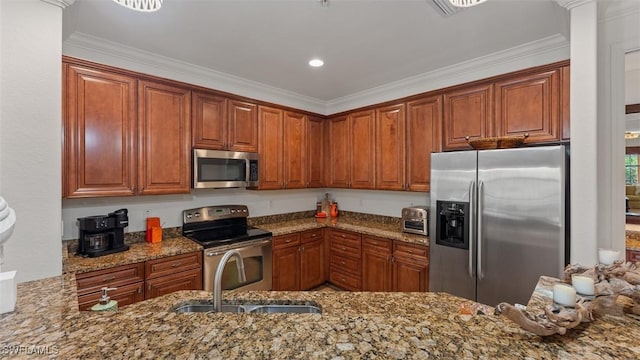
{"x": 138, "y": 252}
{"x": 385, "y": 227}
{"x": 633, "y": 240}
{"x": 353, "y": 325}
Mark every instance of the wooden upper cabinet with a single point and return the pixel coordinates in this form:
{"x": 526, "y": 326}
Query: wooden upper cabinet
{"x": 242, "y": 126}
{"x": 209, "y": 123}
{"x": 529, "y": 105}
{"x": 424, "y": 117}
{"x": 223, "y": 124}
{"x": 295, "y": 150}
{"x": 565, "y": 85}
{"x": 339, "y": 162}
{"x": 99, "y": 133}
{"x": 270, "y": 145}
{"x": 467, "y": 114}
{"x": 315, "y": 152}
{"x": 362, "y": 149}
{"x": 390, "y": 147}
{"x": 164, "y": 124}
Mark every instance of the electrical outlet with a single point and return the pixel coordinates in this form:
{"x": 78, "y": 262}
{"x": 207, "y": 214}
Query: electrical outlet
{"x": 270, "y": 204}
{"x": 147, "y": 213}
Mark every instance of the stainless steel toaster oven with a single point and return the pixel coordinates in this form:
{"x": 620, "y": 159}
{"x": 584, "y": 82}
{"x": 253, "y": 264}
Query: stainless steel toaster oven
{"x": 415, "y": 220}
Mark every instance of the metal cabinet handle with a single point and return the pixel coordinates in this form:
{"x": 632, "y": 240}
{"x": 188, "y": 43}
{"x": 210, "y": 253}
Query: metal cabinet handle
{"x": 175, "y": 265}
{"x": 288, "y": 241}
{"x": 342, "y": 263}
{"x": 343, "y": 248}
{"x": 480, "y": 195}
{"x": 110, "y": 278}
{"x": 472, "y": 190}
{"x": 139, "y": 289}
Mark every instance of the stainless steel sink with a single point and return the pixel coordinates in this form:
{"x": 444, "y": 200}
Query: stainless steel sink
{"x": 290, "y": 309}
{"x": 192, "y": 306}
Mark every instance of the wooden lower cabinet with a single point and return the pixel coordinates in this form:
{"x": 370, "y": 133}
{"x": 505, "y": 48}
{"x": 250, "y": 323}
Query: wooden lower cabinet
{"x": 410, "y": 267}
{"x": 633, "y": 255}
{"x": 345, "y": 260}
{"x": 139, "y": 281}
{"x": 298, "y": 261}
{"x": 185, "y": 280}
{"x": 389, "y": 265}
{"x": 376, "y": 264}
{"x": 124, "y": 295}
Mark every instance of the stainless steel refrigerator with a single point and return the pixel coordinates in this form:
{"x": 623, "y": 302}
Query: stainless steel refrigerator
{"x": 498, "y": 221}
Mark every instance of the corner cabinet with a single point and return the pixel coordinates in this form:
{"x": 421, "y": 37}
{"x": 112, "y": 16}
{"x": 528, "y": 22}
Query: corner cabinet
{"x": 100, "y": 134}
{"x": 164, "y": 147}
{"x": 390, "y": 147}
{"x": 352, "y": 151}
{"x": 315, "y": 152}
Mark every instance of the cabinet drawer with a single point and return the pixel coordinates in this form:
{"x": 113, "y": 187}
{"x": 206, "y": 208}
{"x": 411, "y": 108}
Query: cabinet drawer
{"x": 185, "y": 280}
{"x": 346, "y": 237}
{"x": 284, "y": 241}
{"x": 345, "y": 250}
{"x": 173, "y": 264}
{"x": 311, "y": 235}
{"x": 345, "y": 264}
{"x": 124, "y": 295}
{"x": 344, "y": 281}
{"x": 411, "y": 250}
{"x": 119, "y": 276}
{"x": 377, "y": 244}
{"x": 633, "y": 256}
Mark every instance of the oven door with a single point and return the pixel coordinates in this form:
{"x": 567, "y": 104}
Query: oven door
{"x": 256, "y": 255}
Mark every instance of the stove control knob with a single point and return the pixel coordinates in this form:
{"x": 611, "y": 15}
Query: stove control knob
{"x": 244, "y": 210}
{"x": 233, "y": 210}
{"x": 196, "y": 214}
{"x": 189, "y": 216}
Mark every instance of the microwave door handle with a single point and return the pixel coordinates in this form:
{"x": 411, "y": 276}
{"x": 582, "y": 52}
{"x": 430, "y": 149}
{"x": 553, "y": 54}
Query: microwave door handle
{"x": 247, "y": 174}
{"x": 472, "y": 193}
{"x": 480, "y": 210}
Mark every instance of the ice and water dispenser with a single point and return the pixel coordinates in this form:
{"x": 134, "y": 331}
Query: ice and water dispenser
{"x": 452, "y": 224}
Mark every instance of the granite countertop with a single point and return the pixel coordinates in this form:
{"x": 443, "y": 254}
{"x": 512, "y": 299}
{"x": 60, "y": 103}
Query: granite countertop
{"x": 353, "y": 325}
{"x": 633, "y": 240}
{"x": 385, "y": 230}
{"x": 138, "y": 252}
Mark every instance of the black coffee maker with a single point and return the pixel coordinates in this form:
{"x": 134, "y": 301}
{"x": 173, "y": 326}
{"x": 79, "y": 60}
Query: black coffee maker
{"x": 102, "y": 234}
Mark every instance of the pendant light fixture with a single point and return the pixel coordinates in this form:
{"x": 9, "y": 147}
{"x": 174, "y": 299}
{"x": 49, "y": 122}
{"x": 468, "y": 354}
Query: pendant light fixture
{"x": 141, "y": 5}
{"x": 465, "y": 3}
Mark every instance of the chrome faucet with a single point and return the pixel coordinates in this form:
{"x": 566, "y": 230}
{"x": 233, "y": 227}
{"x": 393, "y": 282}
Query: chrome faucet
{"x": 217, "y": 280}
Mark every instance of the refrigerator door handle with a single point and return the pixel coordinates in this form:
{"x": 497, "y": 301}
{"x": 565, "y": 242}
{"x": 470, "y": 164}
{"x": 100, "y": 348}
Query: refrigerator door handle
{"x": 480, "y": 195}
{"x": 472, "y": 191}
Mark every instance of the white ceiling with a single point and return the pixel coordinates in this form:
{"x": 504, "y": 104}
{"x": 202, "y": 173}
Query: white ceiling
{"x": 364, "y": 43}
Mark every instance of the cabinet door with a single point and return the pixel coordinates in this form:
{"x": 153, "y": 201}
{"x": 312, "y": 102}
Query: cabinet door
{"x": 376, "y": 264}
{"x": 312, "y": 263}
{"x": 410, "y": 275}
{"x": 362, "y": 149}
{"x": 186, "y": 280}
{"x": 423, "y": 119}
{"x": 467, "y": 114}
{"x": 99, "y": 133}
{"x": 286, "y": 265}
{"x": 529, "y": 104}
{"x": 124, "y": 295}
{"x": 339, "y": 162}
{"x": 270, "y": 144}
{"x": 295, "y": 150}
{"x": 242, "y": 126}
{"x": 390, "y": 147}
{"x": 565, "y": 85}
{"x": 209, "y": 121}
{"x": 164, "y": 138}
{"x": 315, "y": 152}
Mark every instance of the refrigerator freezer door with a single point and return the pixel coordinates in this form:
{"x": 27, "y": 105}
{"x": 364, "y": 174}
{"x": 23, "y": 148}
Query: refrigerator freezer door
{"x": 453, "y": 177}
{"x": 520, "y": 221}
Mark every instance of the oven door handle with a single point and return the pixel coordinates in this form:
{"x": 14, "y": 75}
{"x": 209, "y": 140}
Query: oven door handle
{"x": 241, "y": 246}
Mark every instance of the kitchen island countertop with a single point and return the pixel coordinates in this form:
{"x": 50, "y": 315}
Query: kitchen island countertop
{"x": 353, "y": 325}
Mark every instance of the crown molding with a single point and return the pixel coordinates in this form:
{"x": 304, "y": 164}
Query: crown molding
{"x": 544, "y": 51}
{"x": 613, "y": 10}
{"x": 539, "y": 52}
{"x": 106, "y": 52}
{"x": 570, "y": 4}
{"x": 59, "y": 3}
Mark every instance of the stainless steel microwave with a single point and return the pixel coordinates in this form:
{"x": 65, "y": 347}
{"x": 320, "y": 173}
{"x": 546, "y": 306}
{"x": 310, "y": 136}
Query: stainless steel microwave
{"x": 224, "y": 169}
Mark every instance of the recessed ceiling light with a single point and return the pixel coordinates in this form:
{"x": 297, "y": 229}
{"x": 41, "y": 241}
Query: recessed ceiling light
{"x": 316, "y": 62}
